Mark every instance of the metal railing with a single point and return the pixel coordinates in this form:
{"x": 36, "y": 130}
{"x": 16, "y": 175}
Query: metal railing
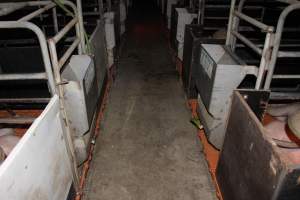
{"x": 270, "y": 51}
{"x": 52, "y": 66}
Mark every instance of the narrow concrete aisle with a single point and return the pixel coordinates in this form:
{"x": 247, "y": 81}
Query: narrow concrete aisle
{"x": 147, "y": 148}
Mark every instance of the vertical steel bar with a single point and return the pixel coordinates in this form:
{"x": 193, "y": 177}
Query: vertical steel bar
{"x": 55, "y": 21}
{"x": 236, "y": 23}
{"x": 64, "y": 117}
{"x": 81, "y": 26}
{"x": 230, "y": 23}
{"x": 265, "y": 60}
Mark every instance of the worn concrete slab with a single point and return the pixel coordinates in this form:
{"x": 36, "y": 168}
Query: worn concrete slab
{"x": 147, "y": 149}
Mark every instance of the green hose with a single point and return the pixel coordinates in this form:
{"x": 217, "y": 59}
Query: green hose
{"x": 196, "y": 122}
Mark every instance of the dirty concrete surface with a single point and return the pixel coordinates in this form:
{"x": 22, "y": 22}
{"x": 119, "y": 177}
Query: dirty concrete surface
{"x": 147, "y": 148}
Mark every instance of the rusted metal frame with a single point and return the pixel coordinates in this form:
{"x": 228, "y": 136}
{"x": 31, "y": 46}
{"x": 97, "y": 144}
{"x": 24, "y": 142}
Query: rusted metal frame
{"x": 277, "y": 41}
{"x": 265, "y": 52}
{"x": 235, "y": 16}
{"x": 57, "y": 65}
{"x": 265, "y": 60}
{"x": 64, "y": 117}
{"x": 43, "y": 45}
{"x": 59, "y": 88}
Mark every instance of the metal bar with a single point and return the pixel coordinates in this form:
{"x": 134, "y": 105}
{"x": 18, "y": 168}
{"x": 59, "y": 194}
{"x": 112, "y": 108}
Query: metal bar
{"x": 27, "y": 3}
{"x": 264, "y": 62}
{"x": 67, "y": 132}
{"x": 288, "y": 54}
{"x": 17, "y": 120}
{"x": 236, "y": 23}
{"x": 65, "y": 30}
{"x": 277, "y": 41}
{"x": 43, "y": 46}
{"x": 230, "y": 23}
{"x": 55, "y": 21}
{"x": 254, "y": 22}
{"x": 247, "y": 42}
{"x": 80, "y": 21}
{"x": 37, "y": 12}
{"x": 68, "y": 53}
{"x": 11, "y": 9}
{"x": 25, "y": 100}
{"x": 33, "y": 76}
{"x": 288, "y": 1}
{"x": 286, "y": 76}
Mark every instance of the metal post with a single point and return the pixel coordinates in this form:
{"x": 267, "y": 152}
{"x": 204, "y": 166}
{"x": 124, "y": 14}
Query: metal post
{"x": 236, "y": 22}
{"x": 66, "y": 126}
{"x": 201, "y": 11}
{"x": 230, "y": 23}
{"x": 265, "y": 60}
{"x": 80, "y": 19}
{"x": 55, "y": 21}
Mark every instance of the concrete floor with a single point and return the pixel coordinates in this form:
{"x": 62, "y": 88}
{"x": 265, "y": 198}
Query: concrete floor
{"x": 147, "y": 149}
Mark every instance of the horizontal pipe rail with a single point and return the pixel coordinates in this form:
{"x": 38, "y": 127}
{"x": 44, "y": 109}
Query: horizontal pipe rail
{"x": 65, "y": 30}
{"x": 11, "y": 9}
{"x": 288, "y": 54}
{"x": 37, "y": 12}
{"x": 254, "y": 22}
{"x": 68, "y": 53}
{"x": 288, "y": 1}
{"x": 27, "y": 76}
{"x": 286, "y": 76}
{"x": 247, "y": 42}
{"x": 43, "y": 46}
{"x": 17, "y": 120}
